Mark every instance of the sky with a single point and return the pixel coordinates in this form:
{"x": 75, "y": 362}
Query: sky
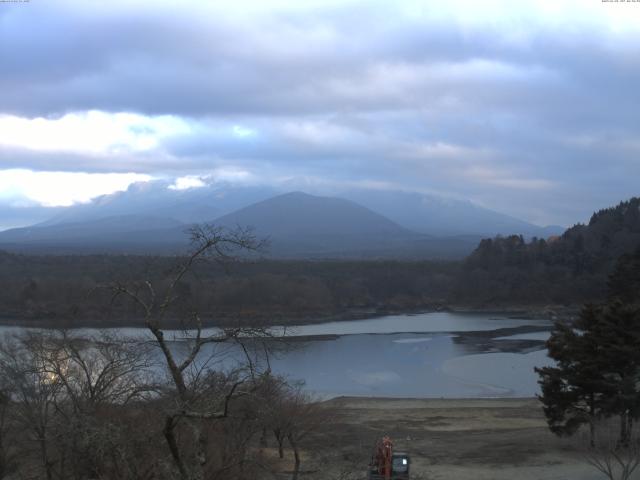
{"x": 526, "y": 107}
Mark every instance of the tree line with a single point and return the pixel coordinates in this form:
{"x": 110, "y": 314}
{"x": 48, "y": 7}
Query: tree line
{"x": 503, "y": 272}
{"x": 62, "y": 290}
{"x": 570, "y": 269}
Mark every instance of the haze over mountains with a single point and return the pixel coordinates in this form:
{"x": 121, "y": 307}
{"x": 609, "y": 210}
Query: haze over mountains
{"x": 302, "y": 225}
{"x": 152, "y": 218}
{"x": 191, "y": 205}
{"x": 445, "y": 216}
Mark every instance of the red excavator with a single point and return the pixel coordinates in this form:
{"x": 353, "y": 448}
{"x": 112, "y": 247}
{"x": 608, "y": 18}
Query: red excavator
{"x": 387, "y": 464}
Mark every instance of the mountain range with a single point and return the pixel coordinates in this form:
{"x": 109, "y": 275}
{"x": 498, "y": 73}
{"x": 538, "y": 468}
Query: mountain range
{"x": 152, "y": 218}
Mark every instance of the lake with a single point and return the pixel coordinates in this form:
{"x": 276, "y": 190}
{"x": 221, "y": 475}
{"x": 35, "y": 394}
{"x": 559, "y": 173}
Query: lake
{"x": 438, "y": 354}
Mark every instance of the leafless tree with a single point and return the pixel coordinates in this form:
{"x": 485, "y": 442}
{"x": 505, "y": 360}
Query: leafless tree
{"x": 606, "y": 454}
{"x": 292, "y": 415}
{"x": 67, "y": 394}
{"x": 34, "y": 393}
{"x": 102, "y": 370}
{"x": 306, "y": 416}
{"x": 106, "y": 407}
{"x": 99, "y": 377}
{"x": 8, "y": 451}
{"x": 195, "y": 393}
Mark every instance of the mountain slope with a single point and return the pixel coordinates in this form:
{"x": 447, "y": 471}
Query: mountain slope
{"x": 571, "y": 267}
{"x": 192, "y": 205}
{"x": 427, "y": 214}
{"x": 298, "y": 226}
{"x": 301, "y": 224}
{"x": 125, "y": 233}
{"x": 611, "y": 232}
{"x": 12, "y": 216}
{"x": 444, "y": 216}
{"x": 298, "y": 213}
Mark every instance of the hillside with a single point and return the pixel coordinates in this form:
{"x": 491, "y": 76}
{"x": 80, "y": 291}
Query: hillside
{"x": 117, "y": 234}
{"x": 504, "y": 272}
{"x": 426, "y": 214}
{"x": 297, "y": 225}
{"x": 441, "y": 216}
{"x": 572, "y": 266}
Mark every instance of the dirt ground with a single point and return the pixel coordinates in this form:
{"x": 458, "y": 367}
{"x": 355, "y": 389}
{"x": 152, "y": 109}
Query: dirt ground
{"x": 470, "y": 439}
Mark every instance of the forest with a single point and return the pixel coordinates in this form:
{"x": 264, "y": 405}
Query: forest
{"x": 570, "y": 269}
{"x": 503, "y": 272}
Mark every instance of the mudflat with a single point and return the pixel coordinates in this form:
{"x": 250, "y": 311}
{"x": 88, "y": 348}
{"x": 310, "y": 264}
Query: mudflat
{"x": 459, "y": 439}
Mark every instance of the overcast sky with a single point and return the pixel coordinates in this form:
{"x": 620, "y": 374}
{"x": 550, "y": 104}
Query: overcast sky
{"x": 529, "y": 108}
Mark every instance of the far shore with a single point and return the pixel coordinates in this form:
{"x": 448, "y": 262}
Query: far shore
{"x": 226, "y": 319}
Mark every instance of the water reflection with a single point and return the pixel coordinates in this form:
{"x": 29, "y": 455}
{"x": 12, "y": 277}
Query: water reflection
{"x": 409, "y": 365}
{"x": 427, "y": 355}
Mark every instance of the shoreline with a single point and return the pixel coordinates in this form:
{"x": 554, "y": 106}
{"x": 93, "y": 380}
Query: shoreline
{"x": 539, "y": 312}
{"x": 463, "y": 336}
{"x": 351, "y": 399}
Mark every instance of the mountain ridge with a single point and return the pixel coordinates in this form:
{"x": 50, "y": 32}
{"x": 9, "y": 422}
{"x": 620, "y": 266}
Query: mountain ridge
{"x": 427, "y": 214}
{"x": 299, "y": 226}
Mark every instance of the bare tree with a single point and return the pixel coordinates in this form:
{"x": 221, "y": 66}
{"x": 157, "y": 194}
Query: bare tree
{"x": 306, "y": 416}
{"x": 292, "y": 415}
{"x": 7, "y": 450}
{"x": 102, "y": 370}
{"x": 99, "y": 376}
{"x": 67, "y": 393}
{"x": 194, "y": 392}
{"x": 605, "y": 453}
{"x": 274, "y": 396}
{"x": 34, "y": 393}
{"x": 107, "y": 407}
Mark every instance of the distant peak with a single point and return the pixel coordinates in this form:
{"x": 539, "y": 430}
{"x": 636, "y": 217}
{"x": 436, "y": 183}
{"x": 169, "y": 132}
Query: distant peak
{"x": 298, "y": 193}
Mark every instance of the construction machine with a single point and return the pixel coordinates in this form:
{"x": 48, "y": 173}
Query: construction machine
{"x": 388, "y": 464}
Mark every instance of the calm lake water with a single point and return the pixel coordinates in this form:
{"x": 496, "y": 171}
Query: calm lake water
{"x": 450, "y": 355}
{"x": 426, "y": 355}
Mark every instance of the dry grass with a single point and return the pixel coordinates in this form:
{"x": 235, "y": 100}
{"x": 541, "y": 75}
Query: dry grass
{"x": 447, "y": 439}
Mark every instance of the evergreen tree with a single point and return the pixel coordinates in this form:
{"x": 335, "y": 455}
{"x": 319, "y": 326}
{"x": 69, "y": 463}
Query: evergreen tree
{"x": 618, "y": 332}
{"x": 624, "y": 282}
{"x": 597, "y": 371}
{"x": 574, "y": 391}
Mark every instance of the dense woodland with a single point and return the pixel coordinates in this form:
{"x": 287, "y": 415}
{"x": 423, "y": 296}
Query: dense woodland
{"x": 569, "y": 269}
{"x": 66, "y": 290}
{"x": 504, "y": 272}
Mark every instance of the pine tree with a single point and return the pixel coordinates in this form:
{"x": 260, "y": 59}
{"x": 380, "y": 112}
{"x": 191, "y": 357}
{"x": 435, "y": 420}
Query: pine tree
{"x": 618, "y": 332}
{"x": 597, "y": 372}
{"x": 624, "y": 282}
{"x": 574, "y": 392}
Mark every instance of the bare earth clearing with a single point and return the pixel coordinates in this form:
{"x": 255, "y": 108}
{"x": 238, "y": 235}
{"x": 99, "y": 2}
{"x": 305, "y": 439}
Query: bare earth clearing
{"x": 472, "y": 439}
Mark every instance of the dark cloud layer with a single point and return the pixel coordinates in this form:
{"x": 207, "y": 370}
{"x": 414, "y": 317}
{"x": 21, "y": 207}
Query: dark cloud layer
{"x": 536, "y": 119}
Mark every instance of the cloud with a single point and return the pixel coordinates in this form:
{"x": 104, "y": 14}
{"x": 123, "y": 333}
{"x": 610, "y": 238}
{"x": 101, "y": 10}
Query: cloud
{"x": 493, "y": 102}
{"x": 157, "y": 58}
{"x": 185, "y": 183}
{"x": 498, "y": 178}
{"x": 52, "y": 189}
{"x": 91, "y": 132}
